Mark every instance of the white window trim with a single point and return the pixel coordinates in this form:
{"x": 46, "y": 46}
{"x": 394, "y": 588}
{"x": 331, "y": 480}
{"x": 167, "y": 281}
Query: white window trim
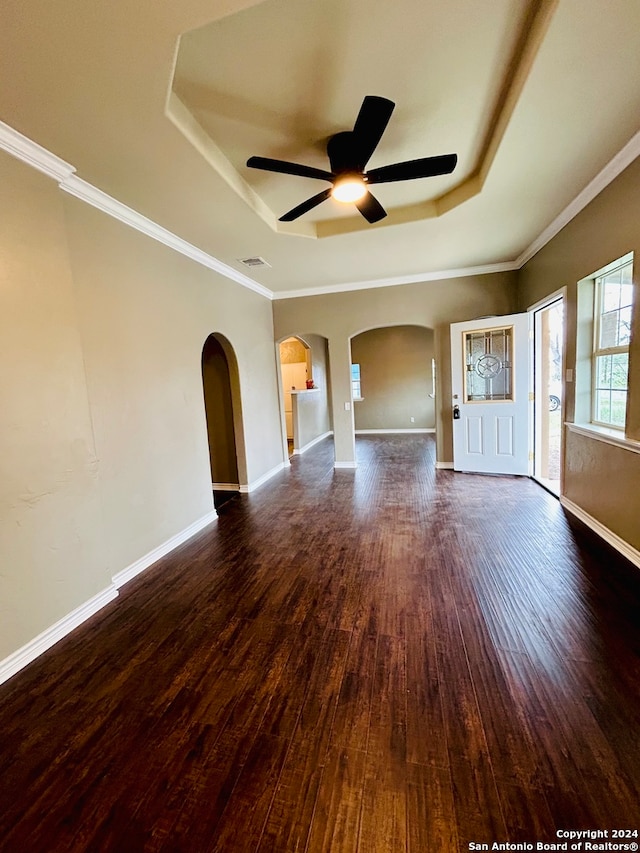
{"x": 596, "y": 350}
{"x": 356, "y": 396}
{"x": 585, "y": 360}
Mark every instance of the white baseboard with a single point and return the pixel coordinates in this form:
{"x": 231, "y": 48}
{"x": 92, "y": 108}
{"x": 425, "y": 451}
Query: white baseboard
{"x": 345, "y": 464}
{"x": 390, "y": 431}
{"x": 444, "y": 466}
{"x": 152, "y": 557}
{"x": 609, "y": 536}
{"x": 311, "y": 444}
{"x": 251, "y": 487}
{"x": 34, "y": 648}
{"x": 225, "y": 487}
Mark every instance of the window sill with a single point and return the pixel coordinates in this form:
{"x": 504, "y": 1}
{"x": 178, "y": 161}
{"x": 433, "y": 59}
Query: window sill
{"x": 358, "y": 399}
{"x": 608, "y": 436}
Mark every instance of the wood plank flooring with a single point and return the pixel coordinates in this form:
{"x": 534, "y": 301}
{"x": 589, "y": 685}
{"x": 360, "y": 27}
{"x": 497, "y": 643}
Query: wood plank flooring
{"x": 392, "y": 659}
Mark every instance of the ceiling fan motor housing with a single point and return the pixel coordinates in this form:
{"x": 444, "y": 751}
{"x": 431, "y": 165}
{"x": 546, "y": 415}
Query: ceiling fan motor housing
{"x": 342, "y": 153}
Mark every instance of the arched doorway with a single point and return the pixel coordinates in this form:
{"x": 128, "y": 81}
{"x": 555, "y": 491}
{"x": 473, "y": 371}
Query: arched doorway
{"x": 224, "y": 418}
{"x": 295, "y": 371}
{"x": 305, "y": 392}
{"x": 393, "y": 379}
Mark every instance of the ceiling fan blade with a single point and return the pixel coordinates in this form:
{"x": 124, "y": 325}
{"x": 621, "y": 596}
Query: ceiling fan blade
{"x": 371, "y": 123}
{"x": 426, "y": 167}
{"x": 286, "y": 168}
{"x": 371, "y": 208}
{"x": 309, "y": 204}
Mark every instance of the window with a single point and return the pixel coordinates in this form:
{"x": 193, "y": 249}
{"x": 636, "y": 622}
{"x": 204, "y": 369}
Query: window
{"x": 356, "y": 388}
{"x": 613, "y": 301}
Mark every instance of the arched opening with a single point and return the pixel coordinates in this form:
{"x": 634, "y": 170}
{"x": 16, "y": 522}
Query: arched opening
{"x": 223, "y": 412}
{"x": 304, "y": 372}
{"x": 295, "y": 370}
{"x": 393, "y": 380}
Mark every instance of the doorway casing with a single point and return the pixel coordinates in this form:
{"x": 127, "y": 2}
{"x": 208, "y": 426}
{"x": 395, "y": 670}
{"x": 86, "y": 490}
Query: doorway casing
{"x": 548, "y": 381}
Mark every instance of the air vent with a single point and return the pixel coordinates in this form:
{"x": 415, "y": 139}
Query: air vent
{"x": 254, "y": 262}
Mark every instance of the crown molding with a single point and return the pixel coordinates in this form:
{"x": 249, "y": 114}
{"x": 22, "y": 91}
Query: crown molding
{"x": 20, "y": 146}
{"x": 29, "y": 152}
{"x": 607, "y": 175}
{"x": 393, "y": 281}
{"x": 75, "y": 186}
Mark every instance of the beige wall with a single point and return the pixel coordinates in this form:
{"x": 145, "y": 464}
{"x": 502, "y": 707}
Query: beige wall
{"x": 102, "y": 427}
{"x": 600, "y": 479}
{"x": 603, "y": 481}
{"x": 433, "y": 305}
{"x": 52, "y": 541}
{"x": 395, "y": 366}
{"x": 309, "y": 413}
{"x": 316, "y": 419}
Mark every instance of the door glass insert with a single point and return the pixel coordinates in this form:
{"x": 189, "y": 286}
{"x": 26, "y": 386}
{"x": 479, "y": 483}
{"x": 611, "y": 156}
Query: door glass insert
{"x": 488, "y": 363}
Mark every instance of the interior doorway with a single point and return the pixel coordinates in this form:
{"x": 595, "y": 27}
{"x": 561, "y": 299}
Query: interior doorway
{"x": 221, "y": 400}
{"x": 548, "y": 392}
{"x": 295, "y": 367}
{"x": 393, "y": 379}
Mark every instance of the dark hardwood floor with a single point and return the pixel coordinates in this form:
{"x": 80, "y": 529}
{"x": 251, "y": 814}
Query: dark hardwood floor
{"x": 392, "y": 659}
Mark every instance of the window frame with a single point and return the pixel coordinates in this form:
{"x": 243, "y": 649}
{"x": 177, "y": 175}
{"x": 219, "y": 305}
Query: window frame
{"x": 356, "y": 383}
{"x": 597, "y": 351}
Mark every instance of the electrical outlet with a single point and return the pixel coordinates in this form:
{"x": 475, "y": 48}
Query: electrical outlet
{"x": 413, "y": 420}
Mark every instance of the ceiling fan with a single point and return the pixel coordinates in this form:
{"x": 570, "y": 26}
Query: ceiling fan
{"x": 349, "y": 152}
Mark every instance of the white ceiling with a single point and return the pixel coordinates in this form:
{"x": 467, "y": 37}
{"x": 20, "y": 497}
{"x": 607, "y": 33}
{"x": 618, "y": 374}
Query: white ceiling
{"x": 161, "y": 107}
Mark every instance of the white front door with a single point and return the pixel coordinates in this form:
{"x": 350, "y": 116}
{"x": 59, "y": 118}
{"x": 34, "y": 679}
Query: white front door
{"x": 490, "y": 388}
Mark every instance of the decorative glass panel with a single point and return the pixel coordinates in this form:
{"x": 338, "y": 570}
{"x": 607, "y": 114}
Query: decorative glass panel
{"x": 488, "y": 365}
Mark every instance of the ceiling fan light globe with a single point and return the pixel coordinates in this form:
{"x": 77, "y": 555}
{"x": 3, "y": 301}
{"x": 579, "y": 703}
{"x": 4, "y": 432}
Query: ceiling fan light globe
{"x": 348, "y": 189}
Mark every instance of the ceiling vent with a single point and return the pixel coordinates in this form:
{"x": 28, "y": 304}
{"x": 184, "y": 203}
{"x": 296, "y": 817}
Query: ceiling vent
{"x": 254, "y": 262}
